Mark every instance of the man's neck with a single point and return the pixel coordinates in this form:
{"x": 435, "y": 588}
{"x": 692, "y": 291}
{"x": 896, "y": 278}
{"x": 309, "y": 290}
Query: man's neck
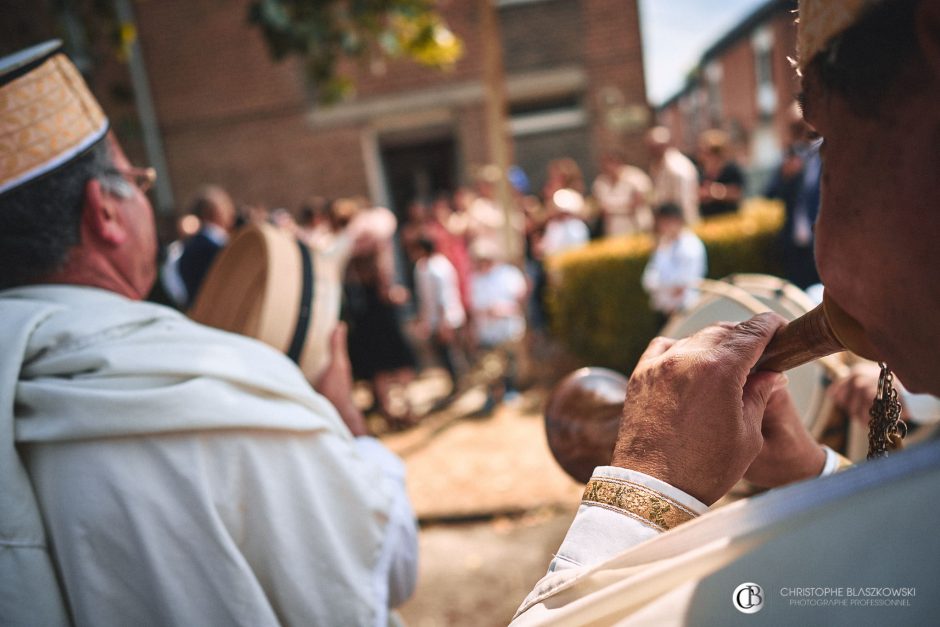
{"x": 92, "y": 271}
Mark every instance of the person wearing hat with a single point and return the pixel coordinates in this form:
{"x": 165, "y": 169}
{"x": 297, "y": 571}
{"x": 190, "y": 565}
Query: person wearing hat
{"x": 854, "y": 547}
{"x": 564, "y": 230}
{"x": 622, "y": 192}
{"x": 674, "y": 176}
{"x": 721, "y": 180}
{"x": 676, "y": 266}
{"x": 157, "y": 471}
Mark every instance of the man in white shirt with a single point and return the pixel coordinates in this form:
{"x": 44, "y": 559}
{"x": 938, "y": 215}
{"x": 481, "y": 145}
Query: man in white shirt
{"x": 564, "y": 230}
{"x": 857, "y": 548}
{"x": 499, "y": 292}
{"x": 623, "y": 195}
{"x": 675, "y": 178}
{"x": 678, "y": 263}
{"x": 158, "y": 471}
{"x": 440, "y": 312}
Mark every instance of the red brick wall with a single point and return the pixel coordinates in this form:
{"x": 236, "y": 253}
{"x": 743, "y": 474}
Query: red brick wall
{"x": 542, "y": 34}
{"x": 276, "y": 161}
{"x": 739, "y": 88}
{"x": 613, "y": 57}
{"x": 738, "y": 84}
{"x": 229, "y": 115}
{"x": 208, "y": 64}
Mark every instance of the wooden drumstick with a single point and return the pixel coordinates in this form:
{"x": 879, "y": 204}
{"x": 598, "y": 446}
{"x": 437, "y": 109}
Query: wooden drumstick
{"x": 825, "y": 330}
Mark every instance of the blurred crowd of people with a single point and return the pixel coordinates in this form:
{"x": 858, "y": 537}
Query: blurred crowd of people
{"x": 465, "y": 275}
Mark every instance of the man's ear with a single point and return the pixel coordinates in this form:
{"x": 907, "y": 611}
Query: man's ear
{"x": 100, "y": 214}
{"x": 928, "y": 34}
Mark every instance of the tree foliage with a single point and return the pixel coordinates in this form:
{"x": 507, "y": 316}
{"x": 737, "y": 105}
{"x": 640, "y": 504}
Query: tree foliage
{"x": 323, "y": 32}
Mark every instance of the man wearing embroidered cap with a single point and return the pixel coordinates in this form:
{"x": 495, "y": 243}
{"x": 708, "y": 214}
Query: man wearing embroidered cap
{"x": 857, "y": 547}
{"x": 156, "y": 471}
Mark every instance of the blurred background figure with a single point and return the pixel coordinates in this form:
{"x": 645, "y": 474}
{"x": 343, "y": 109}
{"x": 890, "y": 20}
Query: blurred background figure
{"x": 553, "y": 227}
{"x": 416, "y": 225}
{"x": 676, "y": 266}
{"x": 563, "y": 173}
{"x": 674, "y": 176}
{"x": 214, "y": 207}
{"x": 284, "y": 219}
{"x": 622, "y": 193}
{"x": 487, "y": 217}
{"x": 251, "y": 213}
{"x": 170, "y": 279}
{"x": 796, "y": 183}
{"x": 499, "y": 298}
{"x": 721, "y": 180}
{"x": 448, "y": 231}
{"x": 378, "y": 349}
{"x": 564, "y": 230}
{"x": 441, "y": 315}
{"x": 314, "y": 221}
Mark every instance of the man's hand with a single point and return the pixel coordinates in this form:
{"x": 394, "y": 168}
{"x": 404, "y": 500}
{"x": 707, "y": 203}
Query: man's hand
{"x": 789, "y": 452}
{"x": 855, "y": 394}
{"x": 336, "y": 383}
{"x": 693, "y": 412}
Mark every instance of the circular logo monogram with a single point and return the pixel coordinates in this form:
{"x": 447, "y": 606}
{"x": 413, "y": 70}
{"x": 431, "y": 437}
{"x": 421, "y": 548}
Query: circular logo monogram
{"x": 748, "y": 598}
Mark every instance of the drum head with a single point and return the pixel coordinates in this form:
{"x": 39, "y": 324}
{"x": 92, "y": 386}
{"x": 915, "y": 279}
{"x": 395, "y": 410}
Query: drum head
{"x": 735, "y": 302}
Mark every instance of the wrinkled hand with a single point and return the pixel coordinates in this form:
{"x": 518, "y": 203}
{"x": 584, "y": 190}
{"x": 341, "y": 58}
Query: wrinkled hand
{"x": 336, "y": 383}
{"x": 789, "y": 453}
{"x": 693, "y": 413}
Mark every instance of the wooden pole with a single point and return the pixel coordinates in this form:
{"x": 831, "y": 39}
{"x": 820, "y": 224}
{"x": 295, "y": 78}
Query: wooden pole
{"x": 499, "y": 149}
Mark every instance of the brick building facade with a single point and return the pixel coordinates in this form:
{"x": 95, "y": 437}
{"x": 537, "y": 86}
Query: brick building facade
{"x": 744, "y": 84}
{"x": 228, "y": 114}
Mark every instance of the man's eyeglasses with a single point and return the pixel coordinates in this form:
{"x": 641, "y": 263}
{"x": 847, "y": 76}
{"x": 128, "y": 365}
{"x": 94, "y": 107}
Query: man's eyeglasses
{"x": 142, "y": 178}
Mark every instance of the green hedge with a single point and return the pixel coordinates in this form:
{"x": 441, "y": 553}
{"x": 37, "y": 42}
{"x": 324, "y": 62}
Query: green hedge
{"x": 597, "y": 306}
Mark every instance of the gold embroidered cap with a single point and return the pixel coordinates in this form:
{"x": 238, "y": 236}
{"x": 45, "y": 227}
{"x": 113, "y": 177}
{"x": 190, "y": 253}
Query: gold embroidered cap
{"x": 47, "y": 114}
{"x": 821, "y": 20}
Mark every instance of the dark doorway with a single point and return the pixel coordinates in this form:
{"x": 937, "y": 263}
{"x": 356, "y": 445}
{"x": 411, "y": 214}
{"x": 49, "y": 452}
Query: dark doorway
{"x": 419, "y": 170}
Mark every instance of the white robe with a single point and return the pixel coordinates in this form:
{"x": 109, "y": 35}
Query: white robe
{"x": 872, "y": 526}
{"x": 177, "y": 474}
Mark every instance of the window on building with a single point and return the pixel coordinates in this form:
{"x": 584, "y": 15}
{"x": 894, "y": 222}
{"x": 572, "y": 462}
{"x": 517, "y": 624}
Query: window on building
{"x": 713, "y": 76}
{"x": 762, "y": 42}
{"x": 541, "y": 116}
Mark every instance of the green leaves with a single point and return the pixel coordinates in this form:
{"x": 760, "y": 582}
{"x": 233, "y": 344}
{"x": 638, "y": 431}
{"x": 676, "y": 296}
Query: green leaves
{"x": 324, "y": 32}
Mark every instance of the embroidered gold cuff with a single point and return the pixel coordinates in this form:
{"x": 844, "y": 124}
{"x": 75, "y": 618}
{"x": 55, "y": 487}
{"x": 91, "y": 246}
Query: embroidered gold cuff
{"x": 641, "y": 503}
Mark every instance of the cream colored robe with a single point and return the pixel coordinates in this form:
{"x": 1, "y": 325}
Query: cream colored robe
{"x": 168, "y": 473}
{"x": 872, "y": 526}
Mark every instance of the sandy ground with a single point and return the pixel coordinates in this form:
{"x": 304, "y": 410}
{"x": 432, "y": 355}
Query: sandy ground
{"x": 478, "y": 573}
{"x": 492, "y": 503}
